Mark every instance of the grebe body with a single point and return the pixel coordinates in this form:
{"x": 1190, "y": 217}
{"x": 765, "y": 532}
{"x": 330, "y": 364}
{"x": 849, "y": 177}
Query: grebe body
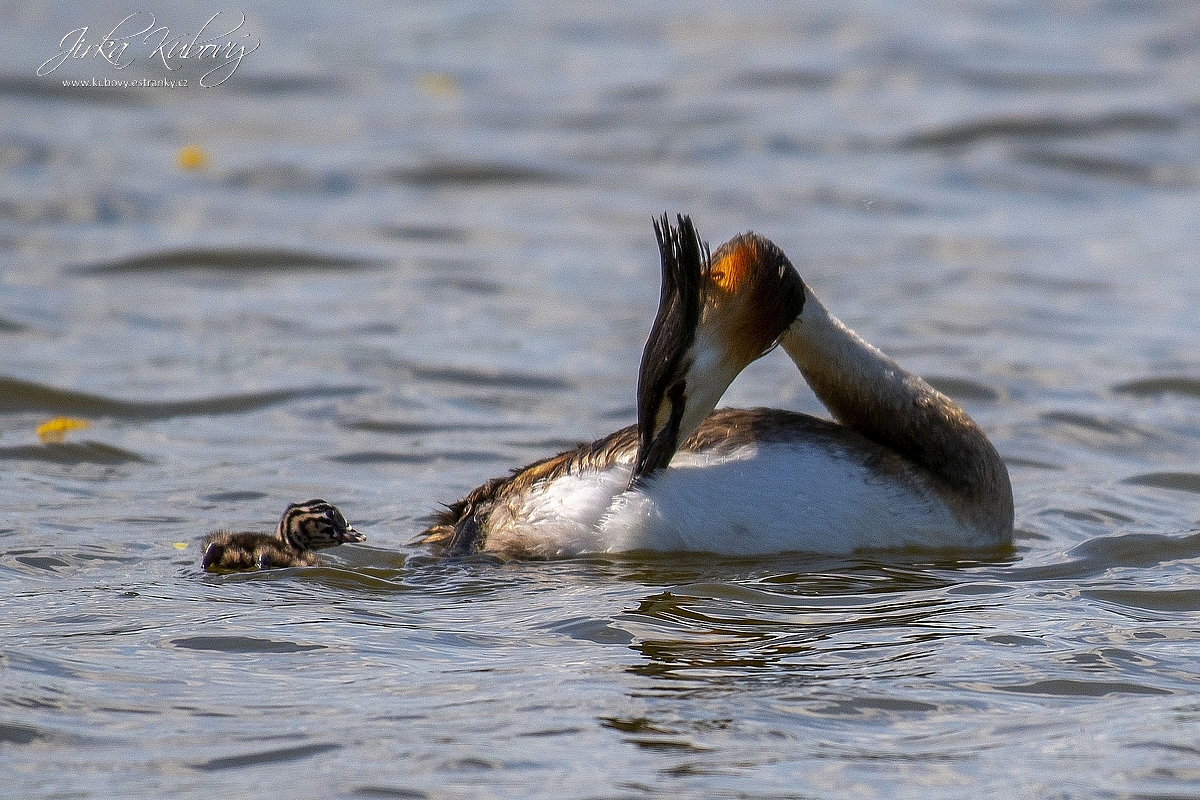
{"x": 901, "y": 465}
{"x": 747, "y": 482}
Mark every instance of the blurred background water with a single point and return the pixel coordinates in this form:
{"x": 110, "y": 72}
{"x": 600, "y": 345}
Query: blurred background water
{"x": 409, "y": 248}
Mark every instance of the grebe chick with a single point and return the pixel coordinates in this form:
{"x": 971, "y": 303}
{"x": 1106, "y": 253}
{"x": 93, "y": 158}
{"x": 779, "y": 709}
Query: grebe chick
{"x": 303, "y": 528}
{"x": 901, "y": 465}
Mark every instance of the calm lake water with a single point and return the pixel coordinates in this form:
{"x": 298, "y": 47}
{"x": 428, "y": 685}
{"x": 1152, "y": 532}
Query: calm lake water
{"x": 415, "y": 251}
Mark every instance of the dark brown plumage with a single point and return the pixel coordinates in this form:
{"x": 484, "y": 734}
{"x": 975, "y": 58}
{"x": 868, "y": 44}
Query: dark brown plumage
{"x": 303, "y": 528}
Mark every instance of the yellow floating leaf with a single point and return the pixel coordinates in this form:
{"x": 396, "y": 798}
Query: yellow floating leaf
{"x": 191, "y": 157}
{"x": 56, "y": 429}
{"x": 181, "y": 545}
{"x": 441, "y": 84}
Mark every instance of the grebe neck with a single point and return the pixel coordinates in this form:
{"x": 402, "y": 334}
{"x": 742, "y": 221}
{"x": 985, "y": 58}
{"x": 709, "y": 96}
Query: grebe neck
{"x": 868, "y": 392}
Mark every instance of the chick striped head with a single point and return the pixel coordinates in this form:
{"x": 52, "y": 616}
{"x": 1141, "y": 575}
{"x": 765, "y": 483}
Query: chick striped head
{"x": 315, "y": 524}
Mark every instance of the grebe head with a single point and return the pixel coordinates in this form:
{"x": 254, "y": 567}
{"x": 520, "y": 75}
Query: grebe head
{"x": 716, "y": 314}
{"x": 314, "y": 525}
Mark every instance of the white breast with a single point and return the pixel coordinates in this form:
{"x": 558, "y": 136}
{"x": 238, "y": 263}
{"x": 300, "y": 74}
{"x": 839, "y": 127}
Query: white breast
{"x": 754, "y": 500}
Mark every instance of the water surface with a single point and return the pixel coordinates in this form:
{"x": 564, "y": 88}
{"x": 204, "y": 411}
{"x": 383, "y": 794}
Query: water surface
{"x": 420, "y": 254}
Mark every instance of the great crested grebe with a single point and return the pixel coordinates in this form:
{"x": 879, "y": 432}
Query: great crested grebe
{"x": 903, "y": 466}
{"x": 303, "y": 528}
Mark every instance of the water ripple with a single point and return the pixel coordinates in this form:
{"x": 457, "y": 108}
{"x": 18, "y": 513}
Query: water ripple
{"x": 1106, "y": 434}
{"x": 468, "y": 174}
{"x": 273, "y": 85}
{"x": 803, "y": 79}
{"x": 1181, "y": 600}
{"x": 1167, "y": 384}
{"x": 291, "y": 178}
{"x": 224, "y": 260}
{"x": 481, "y": 377}
{"x": 962, "y": 389}
{"x": 1128, "y": 170}
{"x": 426, "y": 233}
{"x": 21, "y": 152}
{"x": 387, "y": 793}
{"x": 402, "y": 427}
{"x": 9, "y": 326}
{"x": 18, "y": 734}
{"x": 18, "y": 396}
{"x": 1023, "y": 126}
{"x": 1179, "y": 481}
{"x": 41, "y": 88}
{"x": 386, "y": 457}
{"x": 1075, "y": 688}
{"x": 243, "y": 644}
{"x": 1104, "y": 553}
{"x": 86, "y": 452}
{"x": 261, "y": 757}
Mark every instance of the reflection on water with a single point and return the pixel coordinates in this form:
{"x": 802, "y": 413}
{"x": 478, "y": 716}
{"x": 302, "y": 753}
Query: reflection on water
{"x": 417, "y": 256}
